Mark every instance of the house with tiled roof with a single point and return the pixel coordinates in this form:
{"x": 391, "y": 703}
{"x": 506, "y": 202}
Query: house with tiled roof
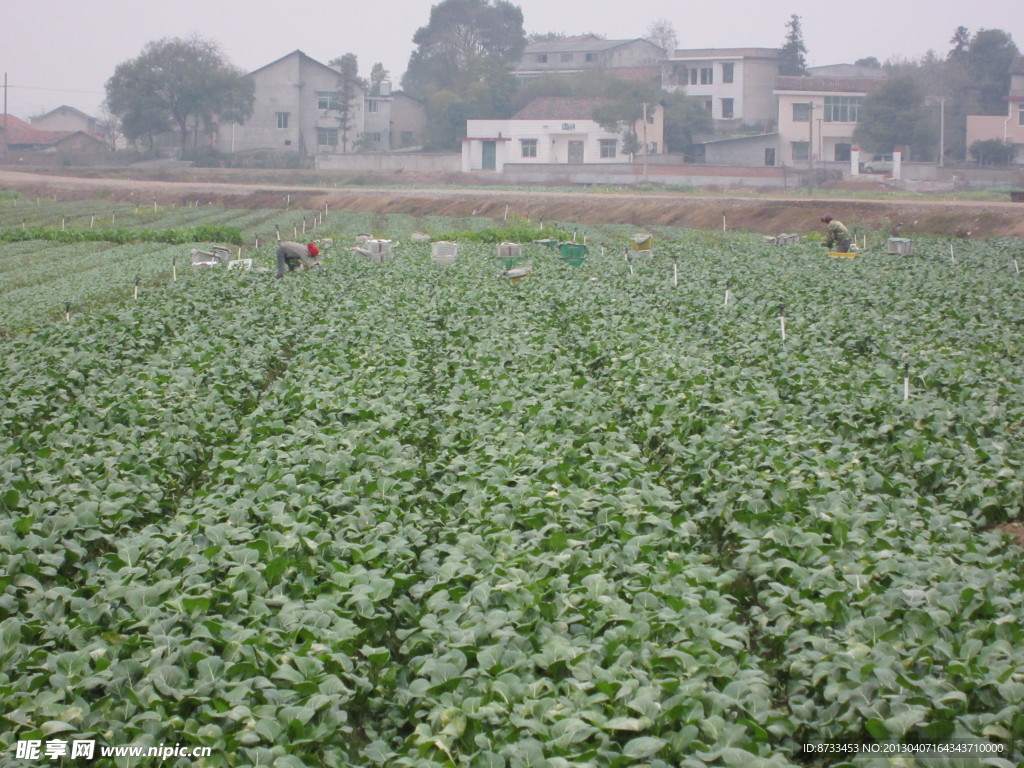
{"x": 64, "y": 118}
{"x": 587, "y": 53}
{"x": 554, "y": 130}
{"x": 17, "y": 136}
{"x": 1008, "y": 127}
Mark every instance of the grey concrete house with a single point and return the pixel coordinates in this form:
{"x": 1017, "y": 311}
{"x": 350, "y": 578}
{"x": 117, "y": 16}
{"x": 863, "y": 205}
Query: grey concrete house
{"x": 575, "y": 55}
{"x": 297, "y": 109}
{"x": 408, "y": 121}
{"x": 64, "y": 118}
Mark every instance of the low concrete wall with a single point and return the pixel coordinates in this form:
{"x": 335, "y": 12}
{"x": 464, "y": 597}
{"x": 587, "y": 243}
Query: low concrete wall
{"x": 656, "y": 174}
{"x": 392, "y": 162}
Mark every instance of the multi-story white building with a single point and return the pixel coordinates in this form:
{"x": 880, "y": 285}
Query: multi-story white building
{"x": 585, "y": 53}
{"x": 734, "y": 83}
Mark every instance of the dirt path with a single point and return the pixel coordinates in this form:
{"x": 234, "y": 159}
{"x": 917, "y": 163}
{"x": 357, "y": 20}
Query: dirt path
{"x": 769, "y": 214}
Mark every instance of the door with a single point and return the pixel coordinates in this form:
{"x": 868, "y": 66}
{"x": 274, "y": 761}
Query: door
{"x": 575, "y": 151}
{"x": 490, "y": 155}
{"x": 769, "y": 156}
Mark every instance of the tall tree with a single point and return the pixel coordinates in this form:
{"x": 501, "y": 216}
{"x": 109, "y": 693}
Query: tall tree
{"x": 349, "y": 85}
{"x": 173, "y": 80}
{"x": 895, "y": 115}
{"x": 960, "y": 41}
{"x": 461, "y": 66}
{"x": 794, "y": 52}
{"x": 627, "y": 102}
{"x": 988, "y": 59}
{"x": 465, "y": 42}
{"x": 663, "y": 35}
{"x": 377, "y": 76}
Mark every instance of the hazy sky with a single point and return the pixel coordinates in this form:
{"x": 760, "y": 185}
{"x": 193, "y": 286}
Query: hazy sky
{"x": 63, "y": 51}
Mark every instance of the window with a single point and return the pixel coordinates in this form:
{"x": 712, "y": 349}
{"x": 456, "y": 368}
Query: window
{"x": 374, "y": 136}
{"x": 707, "y": 75}
{"x": 727, "y": 72}
{"x": 801, "y": 113}
{"x": 769, "y": 156}
{"x": 693, "y": 77}
{"x": 282, "y": 119}
{"x": 542, "y": 58}
{"x": 566, "y": 57}
{"x": 727, "y": 109}
{"x": 843, "y": 152}
{"x": 709, "y": 105}
{"x": 608, "y": 147}
{"x": 842, "y": 109}
{"x": 327, "y": 137}
{"x": 591, "y": 57}
{"x": 528, "y": 147}
{"x": 801, "y": 150}
{"x": 372, "y": 105}
{"x": 328, "y": 100}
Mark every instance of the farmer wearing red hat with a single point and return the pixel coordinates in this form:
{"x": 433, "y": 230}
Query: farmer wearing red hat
{"x": 293, "y": 255}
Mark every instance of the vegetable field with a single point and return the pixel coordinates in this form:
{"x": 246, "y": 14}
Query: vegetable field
{"x": 695, "y": 509}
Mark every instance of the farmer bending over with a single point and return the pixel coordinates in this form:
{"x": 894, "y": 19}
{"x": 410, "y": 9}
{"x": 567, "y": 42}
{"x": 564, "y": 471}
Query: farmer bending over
{"x": 838, "y": 235}
{"x": 295, "y": 255}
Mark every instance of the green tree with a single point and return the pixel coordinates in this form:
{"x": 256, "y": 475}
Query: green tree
{"x": 173, "y": 80}
{"x": 377, "y": 76}
{"x": 988, "y": 62}
{"x": 794, "y": 52}
{"x": 686, "y": 118}
{"x": 895, "y": 115}
{"x": 461, "y": 66}
{"x": 625, "y": 104}
{"x": 993, "y": 152}
{"x": 349, "y": 86}
{"x": 465, "y": 42}
{"x": 960, "y": 41}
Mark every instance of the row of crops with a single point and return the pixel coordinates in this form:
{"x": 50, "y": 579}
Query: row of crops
{"x": 408, "y": 515}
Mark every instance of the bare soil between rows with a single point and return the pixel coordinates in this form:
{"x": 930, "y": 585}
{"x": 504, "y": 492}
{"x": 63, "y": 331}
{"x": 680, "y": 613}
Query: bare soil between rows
{"x": 451, "y": 195}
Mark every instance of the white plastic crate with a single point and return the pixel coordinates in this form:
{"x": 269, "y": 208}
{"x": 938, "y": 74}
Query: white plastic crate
{"x": 444, "y": 252}
{"x": 899, "y": 246}
{"x": 510, "y": 251}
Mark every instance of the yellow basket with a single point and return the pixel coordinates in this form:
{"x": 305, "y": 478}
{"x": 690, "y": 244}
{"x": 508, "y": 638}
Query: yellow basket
{"x": 837, "y": 255}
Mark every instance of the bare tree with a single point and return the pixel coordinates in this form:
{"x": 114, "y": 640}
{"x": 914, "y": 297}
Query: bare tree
{"x": 663, "y": 35}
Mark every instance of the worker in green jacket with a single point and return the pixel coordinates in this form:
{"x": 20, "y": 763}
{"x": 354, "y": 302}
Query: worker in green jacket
{"x": 838, "y": 235}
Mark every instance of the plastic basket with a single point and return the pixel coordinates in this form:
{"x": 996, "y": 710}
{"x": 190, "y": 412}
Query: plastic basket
{"x": 444, "y": 252}
{"x": 642, "y": 242}
{"x": 900, "y": 246}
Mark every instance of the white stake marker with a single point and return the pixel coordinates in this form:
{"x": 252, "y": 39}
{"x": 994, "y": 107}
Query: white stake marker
{"x": 906, "y": 382}
{"x": 782, "y": 320}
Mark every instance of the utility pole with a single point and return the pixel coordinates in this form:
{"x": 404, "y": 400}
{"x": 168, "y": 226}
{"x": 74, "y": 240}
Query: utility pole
{"x": 645, "y": 142}
{"x": 5, "y": 117}
{"x": 810, "y": 144}
{"x": 942, "y": 132}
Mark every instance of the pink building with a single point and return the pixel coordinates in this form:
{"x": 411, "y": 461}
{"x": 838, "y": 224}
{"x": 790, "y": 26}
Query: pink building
{"x": 1008, "y": 127}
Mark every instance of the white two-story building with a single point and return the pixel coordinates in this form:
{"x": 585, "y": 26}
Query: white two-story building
{"x": 735, "y": 84}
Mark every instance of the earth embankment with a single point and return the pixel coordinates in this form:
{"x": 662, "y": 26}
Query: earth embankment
{"x": 439, "y": 196}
